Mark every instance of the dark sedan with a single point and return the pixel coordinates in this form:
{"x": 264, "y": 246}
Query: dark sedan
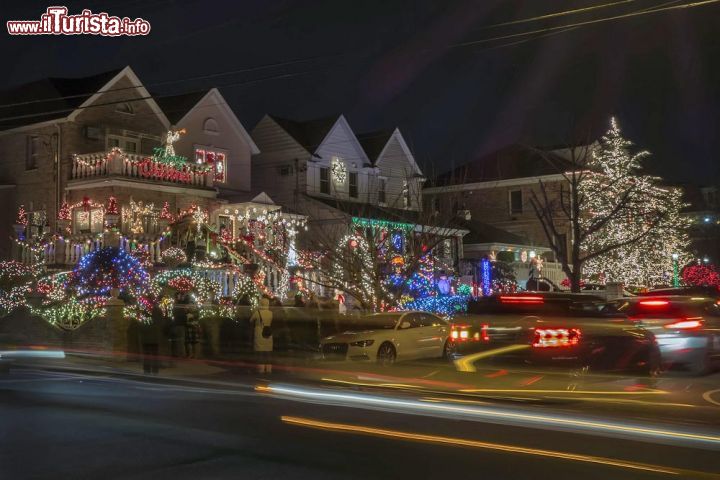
{"x": 569, "y": 330}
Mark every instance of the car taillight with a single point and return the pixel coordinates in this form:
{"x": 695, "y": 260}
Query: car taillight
{"x": 685, "y": 324}
{"x": 461, "y": 333}
{"x": 556, "y": 337}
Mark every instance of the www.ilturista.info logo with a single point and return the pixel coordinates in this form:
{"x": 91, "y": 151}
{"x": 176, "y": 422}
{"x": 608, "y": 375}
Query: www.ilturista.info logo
{"x": 56, "y": 21}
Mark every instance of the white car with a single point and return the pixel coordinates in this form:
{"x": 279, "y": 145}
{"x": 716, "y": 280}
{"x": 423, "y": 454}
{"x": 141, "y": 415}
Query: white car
{"x": 387, "y": 337}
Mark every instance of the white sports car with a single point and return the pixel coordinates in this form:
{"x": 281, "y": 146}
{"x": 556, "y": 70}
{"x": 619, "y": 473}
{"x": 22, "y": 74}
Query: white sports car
{"x": 387, "y": 337}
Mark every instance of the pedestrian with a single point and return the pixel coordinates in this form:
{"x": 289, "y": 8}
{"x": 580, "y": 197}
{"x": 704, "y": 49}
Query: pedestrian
{"x": 262, "y": 335}
{"x": 299, "y": 302}
{"x": 150, "y": 340}
{"x": 192, "y": 335}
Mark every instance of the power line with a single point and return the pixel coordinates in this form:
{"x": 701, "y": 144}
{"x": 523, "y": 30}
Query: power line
{"x": 425, "y": 50}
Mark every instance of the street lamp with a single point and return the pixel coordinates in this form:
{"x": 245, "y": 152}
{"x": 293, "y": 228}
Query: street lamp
{"x": 676, "y": 280}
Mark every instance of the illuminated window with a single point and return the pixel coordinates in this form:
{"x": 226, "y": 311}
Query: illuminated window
{"x": 88, "y": 221}
{"x": 215, "y": 159}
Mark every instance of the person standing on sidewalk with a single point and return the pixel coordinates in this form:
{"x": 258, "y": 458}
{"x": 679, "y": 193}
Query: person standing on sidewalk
{"x": 150, "y": 333}
{"x": 262, "y": 335}
{"x": 192, "y": 335}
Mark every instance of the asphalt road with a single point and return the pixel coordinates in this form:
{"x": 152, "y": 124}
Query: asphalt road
{"x": 80, "y": 425}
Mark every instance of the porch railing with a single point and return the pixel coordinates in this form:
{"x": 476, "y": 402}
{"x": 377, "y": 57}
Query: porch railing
{"x": 131, "y": 165}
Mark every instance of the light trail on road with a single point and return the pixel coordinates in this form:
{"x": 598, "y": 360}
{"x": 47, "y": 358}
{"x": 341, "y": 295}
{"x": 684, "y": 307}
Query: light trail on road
{"x": 462, "y": 442}
{"x": 498, "y": 415}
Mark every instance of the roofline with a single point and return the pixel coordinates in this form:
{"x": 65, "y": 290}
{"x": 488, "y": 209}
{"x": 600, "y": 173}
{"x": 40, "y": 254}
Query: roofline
{"x": 223, "y": 105}
{"x": 507, "y": 246}
{"x": 510, "y": 182}
{"x": 404, "y": 146}
{"x": 127, "y": 71}
{"x": 33, "y": 126}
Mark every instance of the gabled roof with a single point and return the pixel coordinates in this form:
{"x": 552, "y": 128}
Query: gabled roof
{"x": 374, "y": 143}
{"x": 60, "y": 98}
{"x": 48, "y": 99}
{"x": 513, "y": 161}
{"x": 177, "y": 106}
{"x": 310, "y": 133}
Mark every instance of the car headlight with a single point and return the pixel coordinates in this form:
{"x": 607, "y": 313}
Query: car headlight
{"x": 362, "y": 343}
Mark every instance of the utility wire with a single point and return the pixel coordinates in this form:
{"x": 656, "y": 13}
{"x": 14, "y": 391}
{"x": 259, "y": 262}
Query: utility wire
{"x": 425, "y": 50}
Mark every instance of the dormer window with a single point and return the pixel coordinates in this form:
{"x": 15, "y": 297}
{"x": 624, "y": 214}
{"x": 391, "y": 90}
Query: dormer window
{"x": 125, "y": 108}
{"x": 211, "y": 126}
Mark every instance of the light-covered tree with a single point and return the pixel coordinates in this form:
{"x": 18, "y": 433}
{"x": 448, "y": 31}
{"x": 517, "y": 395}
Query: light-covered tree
{"x": 648, "y": 227}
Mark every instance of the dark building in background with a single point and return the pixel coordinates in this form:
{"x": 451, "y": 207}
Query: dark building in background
{"x": 704, "y": 211}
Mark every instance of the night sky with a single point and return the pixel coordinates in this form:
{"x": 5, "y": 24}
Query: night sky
{"x": 403, "y": 63}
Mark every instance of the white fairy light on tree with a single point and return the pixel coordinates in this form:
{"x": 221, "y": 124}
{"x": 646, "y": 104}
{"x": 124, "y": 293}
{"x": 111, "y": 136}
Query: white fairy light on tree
{"x": 615, "y": 188}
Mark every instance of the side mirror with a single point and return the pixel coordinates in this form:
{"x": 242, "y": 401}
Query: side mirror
{"x": 404, "y": 325}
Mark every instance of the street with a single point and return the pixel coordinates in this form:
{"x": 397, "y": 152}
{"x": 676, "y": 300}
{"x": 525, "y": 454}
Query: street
{"x": 70, "y": 423}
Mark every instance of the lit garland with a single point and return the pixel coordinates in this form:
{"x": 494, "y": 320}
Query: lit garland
{"x": 53, "y": 288}
{"x": 136, "y": 214}
{"x": 381, "y": 224}
{"x": 97, "y": 162}
{"x": 615, "y": 176}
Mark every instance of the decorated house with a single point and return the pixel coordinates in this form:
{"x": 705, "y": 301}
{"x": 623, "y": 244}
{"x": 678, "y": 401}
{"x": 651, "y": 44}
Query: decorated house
{"x": 491, "y": 197}
{"x": 98, "y": 161}
{"x": 362, "y": 196}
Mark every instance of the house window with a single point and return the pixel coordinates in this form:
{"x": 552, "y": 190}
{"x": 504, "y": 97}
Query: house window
{"x": 325, "y": 180}
{"x": 516, "y": 201}
{"x": 128, "y": 145}
{"x": 353, "y": 191}
{"x": 88, "y": 221}
{"x": 211, "y": 126}
{"x": 37, "y": 221}
{"x": 215, "y": 159}
{"x": 435, "y": 204}
{"x": 381, "y": 190}
{"x": 124, "y": 108}
{"x": 33, "y": 150}
{"x": 285, "y": 170}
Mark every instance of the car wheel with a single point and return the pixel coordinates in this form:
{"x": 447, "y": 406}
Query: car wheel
{"x": 386, "y": 354}
{"x": 449, "y": 350}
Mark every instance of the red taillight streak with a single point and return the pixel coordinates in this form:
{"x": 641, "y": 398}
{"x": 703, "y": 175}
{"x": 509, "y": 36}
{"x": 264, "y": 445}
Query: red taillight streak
{"x": 484, "y": 333}
{"x": 528, "y": 300}
{"x": 654, "y": 303}
{"x": 556, "y": 337}
{"x": 686, "y": 324}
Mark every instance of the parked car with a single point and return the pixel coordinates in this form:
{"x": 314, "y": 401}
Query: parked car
{"x": 390, "y": 337}
{"x": 687, "y": 328}
{"x": 574, "y": 331}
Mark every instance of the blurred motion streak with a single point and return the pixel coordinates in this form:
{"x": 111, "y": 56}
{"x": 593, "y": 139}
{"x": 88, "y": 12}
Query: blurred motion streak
{"x": 497, "y": 415}
{"x": 465, "y": 364}
{"x": 381, "y": 432}
{"x": 35, "y": 352}
{"x": 574, "y": 392}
